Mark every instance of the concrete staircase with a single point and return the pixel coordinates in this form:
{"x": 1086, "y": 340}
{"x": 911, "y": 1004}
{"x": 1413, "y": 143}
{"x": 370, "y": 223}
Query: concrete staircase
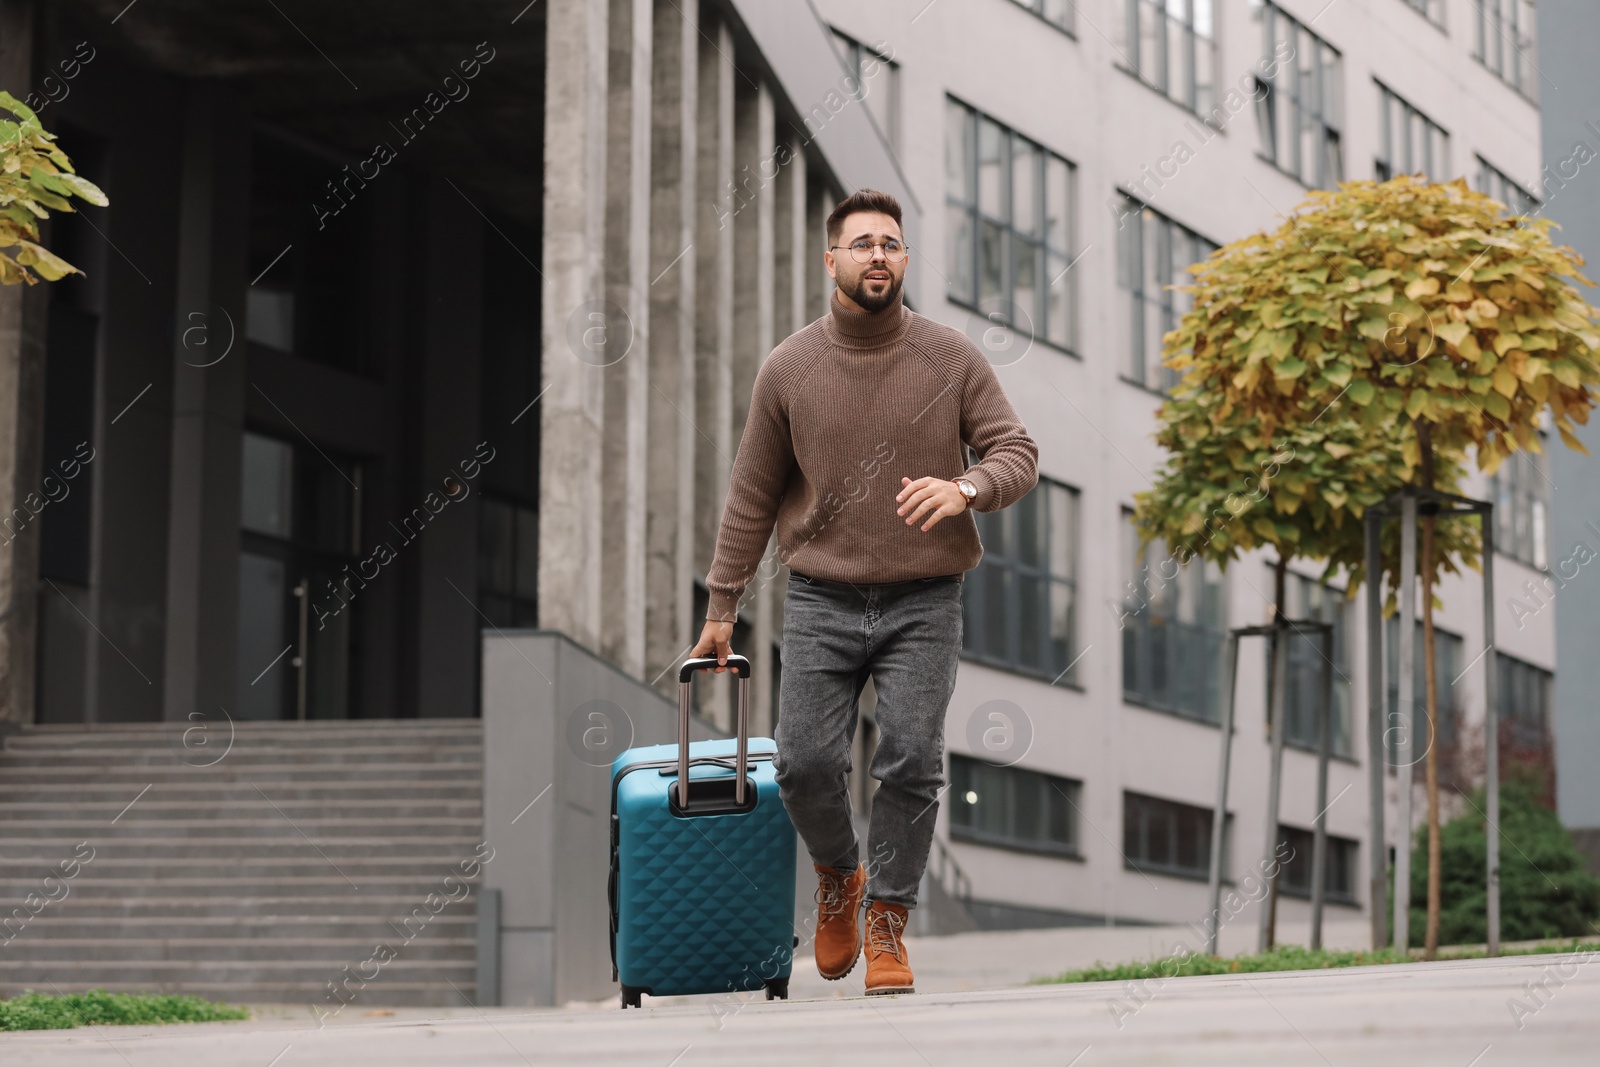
{"x": 333, "y": 864}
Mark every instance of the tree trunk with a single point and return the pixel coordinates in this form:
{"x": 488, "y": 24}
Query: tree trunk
{"x": 1430, "y": 941}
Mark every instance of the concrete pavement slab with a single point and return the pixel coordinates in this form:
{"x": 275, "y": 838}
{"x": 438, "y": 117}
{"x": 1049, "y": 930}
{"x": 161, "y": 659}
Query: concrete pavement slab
{"x": 1451, "y": 1014}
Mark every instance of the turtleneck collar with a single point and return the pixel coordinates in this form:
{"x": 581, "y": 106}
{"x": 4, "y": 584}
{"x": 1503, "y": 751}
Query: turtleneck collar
{"x": 866, "y": 329}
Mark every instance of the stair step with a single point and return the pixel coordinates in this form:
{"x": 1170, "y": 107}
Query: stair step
{"x": 139, "y": 777}
{"x": 333, "y": 952}
{"x": 312, "y": 996}
{"x": 248, "y": 804}
{"x": 320, "y": 830}
{"x": 250, "y": 862}
{"x": 87, "y": 760}
{"x": 456, "y": 920}
{"x": 46, "y": 853}
{"x": 377, "y": 904}
{"x": 452, "y": 788}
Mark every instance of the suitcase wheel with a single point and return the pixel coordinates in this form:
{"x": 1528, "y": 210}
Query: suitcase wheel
{"x": 777, "y": 989}
{"x": 630, "y": 996}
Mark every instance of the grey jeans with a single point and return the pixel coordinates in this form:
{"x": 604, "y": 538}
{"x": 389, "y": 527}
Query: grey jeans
{"x": 907, "y": 637}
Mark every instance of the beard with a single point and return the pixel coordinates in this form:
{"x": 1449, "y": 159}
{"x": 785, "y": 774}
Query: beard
{"x": 866, "y": 298}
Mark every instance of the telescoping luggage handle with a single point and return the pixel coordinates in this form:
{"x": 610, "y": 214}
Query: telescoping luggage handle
{"x": 740, "y": 666}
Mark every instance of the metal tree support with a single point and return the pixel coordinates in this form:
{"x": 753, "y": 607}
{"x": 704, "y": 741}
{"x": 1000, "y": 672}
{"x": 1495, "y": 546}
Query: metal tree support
{"x": 1413, "y": 499}
{"x": 1377, "y": 844}
{"x": 1404, "y": 708}
{"x": 1278, "y": 632}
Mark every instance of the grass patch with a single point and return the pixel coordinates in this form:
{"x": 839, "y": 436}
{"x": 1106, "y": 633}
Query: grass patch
{"x": 42, "y": 1011}
{"x": 1286, "y": 958}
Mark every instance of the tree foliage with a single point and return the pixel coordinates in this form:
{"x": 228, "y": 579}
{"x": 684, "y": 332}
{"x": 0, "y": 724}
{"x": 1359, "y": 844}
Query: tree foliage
{"x": 36, "y": 178}
{"x": 1399, "y": 299}
{"x": 1545, "y": 890}
{"x": 1310, "y": 353}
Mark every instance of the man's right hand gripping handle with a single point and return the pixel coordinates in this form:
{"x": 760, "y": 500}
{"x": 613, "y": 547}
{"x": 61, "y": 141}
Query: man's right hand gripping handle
{"x": 714, "y": 641}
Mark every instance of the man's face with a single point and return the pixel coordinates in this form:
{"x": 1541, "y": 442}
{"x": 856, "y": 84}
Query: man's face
{"x": 873, "y": 285}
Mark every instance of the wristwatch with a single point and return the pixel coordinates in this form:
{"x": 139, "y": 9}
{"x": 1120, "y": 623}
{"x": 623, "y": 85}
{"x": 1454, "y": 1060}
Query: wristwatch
{"x": 968, "y": 490}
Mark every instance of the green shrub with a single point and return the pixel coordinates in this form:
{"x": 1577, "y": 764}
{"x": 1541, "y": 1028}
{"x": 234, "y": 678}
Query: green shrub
{"x": 39, "y": 1011}
{"x": 1545, "y": 891}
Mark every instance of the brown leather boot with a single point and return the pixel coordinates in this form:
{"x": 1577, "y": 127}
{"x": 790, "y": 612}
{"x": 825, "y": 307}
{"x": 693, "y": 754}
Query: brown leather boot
{"x": 888, "y": 969}
{"x": 838, "y": 941}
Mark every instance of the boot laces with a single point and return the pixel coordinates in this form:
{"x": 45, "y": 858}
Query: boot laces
{"x": 883, "y": 933}
{"x": 830, "y": 896}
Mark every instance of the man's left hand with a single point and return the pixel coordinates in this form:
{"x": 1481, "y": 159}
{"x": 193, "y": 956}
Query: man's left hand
{"x": 935, "y": 497}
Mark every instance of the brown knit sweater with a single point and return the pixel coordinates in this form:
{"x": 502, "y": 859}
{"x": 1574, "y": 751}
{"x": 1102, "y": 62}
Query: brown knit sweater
{"x": 839, "y": 412}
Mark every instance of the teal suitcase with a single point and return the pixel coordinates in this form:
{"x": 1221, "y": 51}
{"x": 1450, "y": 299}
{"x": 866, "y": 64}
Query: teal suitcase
{"x": 701, "y": 889}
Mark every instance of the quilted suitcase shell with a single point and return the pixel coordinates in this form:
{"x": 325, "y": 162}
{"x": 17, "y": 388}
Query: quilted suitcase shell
{"x": 701, "y": 903}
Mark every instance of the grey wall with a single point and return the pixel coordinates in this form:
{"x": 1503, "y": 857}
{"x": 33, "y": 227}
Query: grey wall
{"x": 1570, "y": 114}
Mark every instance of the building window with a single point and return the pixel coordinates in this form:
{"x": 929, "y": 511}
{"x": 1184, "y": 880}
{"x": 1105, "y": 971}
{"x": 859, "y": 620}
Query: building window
{"x": 1008, "y": 208}
{"x": 1524, "y": 702}
{"x": 1166, "y": 837}
{"x": 875, "y": 82}
{"x": 1153, "y": 256}
{"x": 1012, "y": 807}
{"x": 1409, "y": 141}
{"x": 1448, "y": 663}
{"x": 1297, "y": 109}
{"x": 1174, "y": 628}
{"x": 1432, "y": 10}
{"x": 1521, "y": 496}
{"x": 1056, "y": 12}
{"x": 1339, "y": 876}
{"x": 1021, "y": 599}
{"x": 1505, "y": 43}
{"x": 1307, "y": 598}
{"x": 508, "y": 563}
{"x": 1171, "y": 46}
{"x": 1494, "y": 182}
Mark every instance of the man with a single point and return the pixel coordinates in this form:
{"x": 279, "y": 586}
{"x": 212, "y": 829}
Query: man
{"x": 854, "y": 449}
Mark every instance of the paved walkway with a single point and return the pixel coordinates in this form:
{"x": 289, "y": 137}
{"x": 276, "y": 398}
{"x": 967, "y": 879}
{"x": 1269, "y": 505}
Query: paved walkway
{"x": 1473, "y": 1013}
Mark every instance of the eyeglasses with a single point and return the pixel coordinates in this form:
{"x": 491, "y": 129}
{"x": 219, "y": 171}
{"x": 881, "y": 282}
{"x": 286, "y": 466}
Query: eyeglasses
{"x": 861, "y": 250}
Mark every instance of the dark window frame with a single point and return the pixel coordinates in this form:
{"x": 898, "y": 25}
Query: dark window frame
{"x": 1307, "y": 101}
{"x": 1385, "y": 166}
{"x": 1003, "y": 569}
{"x": 1499, "y": 41}
{"x": 967, "y": 772}
{"x": 1305, "y": 667}
{"x": 1520, "y": 491}
{"x": 1520, "y": 682}
{"x": 1192, "y": 43}
{"x": 1146, "y": 808}
{"x": 1494, "y": 182}
{"x": 1132, "y": 279}
{"x": 1139, "y": 624}
{"x": 1344, "y": 857}
{"x": 1066, "y": 24}
{"x": 1053, "y": 255}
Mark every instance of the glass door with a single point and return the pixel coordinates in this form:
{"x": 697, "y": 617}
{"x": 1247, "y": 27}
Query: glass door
{"x": 297, "y": 601}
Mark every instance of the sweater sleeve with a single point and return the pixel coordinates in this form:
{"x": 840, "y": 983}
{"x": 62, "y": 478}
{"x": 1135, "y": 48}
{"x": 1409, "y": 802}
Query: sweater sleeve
{"x": 1008, "y": 458}
{"x": 761, "y": 469}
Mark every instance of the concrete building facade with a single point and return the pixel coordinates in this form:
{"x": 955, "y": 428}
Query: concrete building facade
{"x": 385, "y": 348}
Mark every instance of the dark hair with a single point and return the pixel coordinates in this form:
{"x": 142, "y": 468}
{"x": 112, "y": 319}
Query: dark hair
{"x": 863, "y": 200}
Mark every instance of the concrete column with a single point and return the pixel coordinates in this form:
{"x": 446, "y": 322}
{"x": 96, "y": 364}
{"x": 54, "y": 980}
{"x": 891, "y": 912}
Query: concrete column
{"x": 791, "y": 248}
{"x": 714, "y": 249}
{"x": 23, "y": 311}
{"x": 572, "y": 408}
{"x": 755, "y": 197}
{"x": 818, "y": 285}
{"x": 208, "y": 404}
{"x": 670, "y": 626}
{"x": 626, "y": 361}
